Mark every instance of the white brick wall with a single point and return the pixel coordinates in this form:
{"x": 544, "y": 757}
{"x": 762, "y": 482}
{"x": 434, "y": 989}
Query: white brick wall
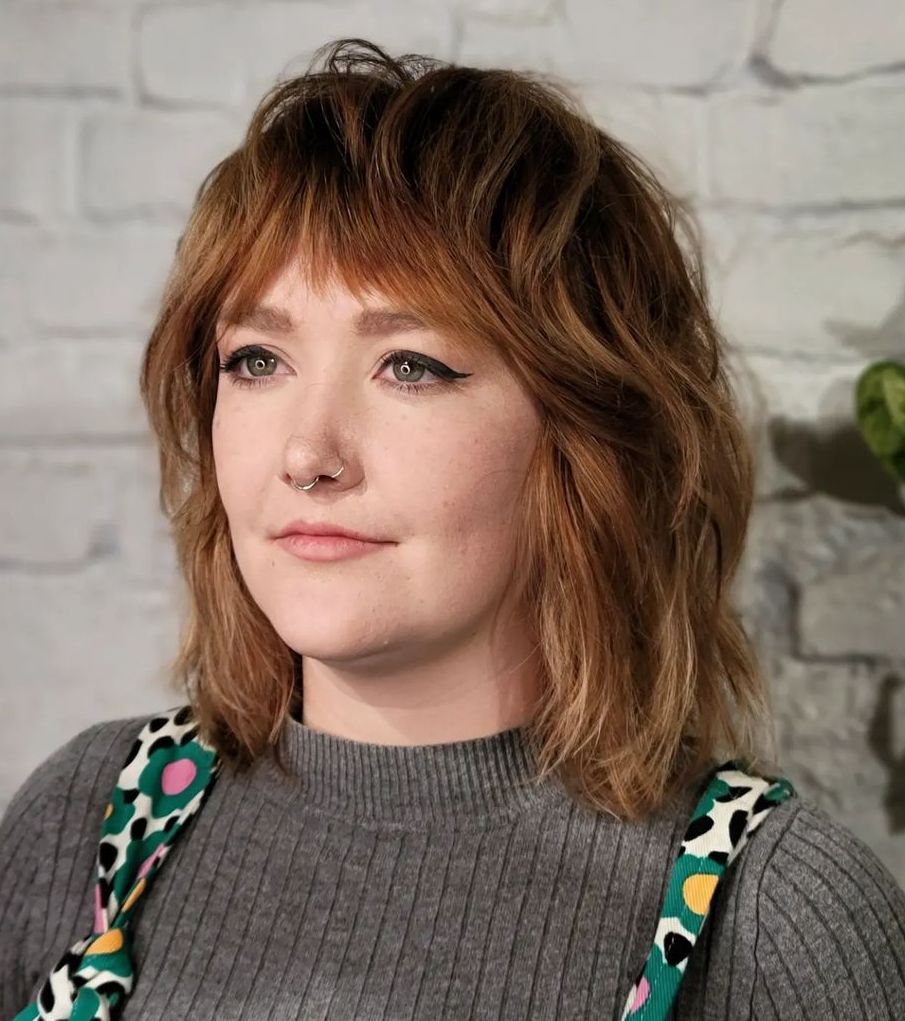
{"x": 80, "y": 48}
{"x": 822, "y": 40}
{"x": 781, "y": 120}
{"x": 138, "y": 162}
{"x": 816, "y": 145}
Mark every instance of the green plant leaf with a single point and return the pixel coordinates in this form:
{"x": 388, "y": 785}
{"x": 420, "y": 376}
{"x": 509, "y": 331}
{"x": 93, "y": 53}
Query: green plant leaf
{"x": 880, "y": 413}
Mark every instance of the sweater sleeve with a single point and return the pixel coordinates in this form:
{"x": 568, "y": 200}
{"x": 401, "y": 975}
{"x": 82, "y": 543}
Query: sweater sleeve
{"x": 830, "y": 935}
{"x": 48, "y": 843}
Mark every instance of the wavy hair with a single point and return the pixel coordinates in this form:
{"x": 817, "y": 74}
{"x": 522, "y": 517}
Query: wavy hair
{"x": 489, "y": 202}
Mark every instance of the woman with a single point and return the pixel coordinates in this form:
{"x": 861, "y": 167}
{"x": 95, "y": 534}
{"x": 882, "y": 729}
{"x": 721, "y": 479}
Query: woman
{"x": 469, "y": 764}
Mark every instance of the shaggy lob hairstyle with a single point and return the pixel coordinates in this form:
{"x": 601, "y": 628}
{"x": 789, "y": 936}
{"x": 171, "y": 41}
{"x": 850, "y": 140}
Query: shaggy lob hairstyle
{"x": 489, "y": 203}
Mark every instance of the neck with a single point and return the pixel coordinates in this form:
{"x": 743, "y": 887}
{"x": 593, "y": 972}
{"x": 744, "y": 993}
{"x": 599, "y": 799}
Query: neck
{"x": 465, "y": 695}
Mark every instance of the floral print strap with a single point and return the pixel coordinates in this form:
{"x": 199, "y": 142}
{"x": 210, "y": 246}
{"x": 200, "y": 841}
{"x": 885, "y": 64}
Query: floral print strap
{"x": 165, "y": 779}
{"x": 732, "y": 807}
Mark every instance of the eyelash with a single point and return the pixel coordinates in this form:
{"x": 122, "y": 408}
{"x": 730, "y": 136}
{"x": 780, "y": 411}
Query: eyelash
{"x": 447, "y": 377}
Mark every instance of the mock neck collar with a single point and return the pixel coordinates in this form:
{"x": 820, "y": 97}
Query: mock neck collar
{"x": 460, "y": 782}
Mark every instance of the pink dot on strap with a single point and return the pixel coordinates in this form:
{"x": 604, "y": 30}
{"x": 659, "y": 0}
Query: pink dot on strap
{"x": 100, "y": 920}
{"x": 149, "y": 861}
{"x": 641, "y": 995}
{"x": 177, "y": 776}
{"x": 158, "y": 852}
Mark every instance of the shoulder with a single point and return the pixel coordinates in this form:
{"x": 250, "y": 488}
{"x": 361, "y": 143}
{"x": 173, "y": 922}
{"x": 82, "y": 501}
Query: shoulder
{"x": 813, "y": 863}
{"x": 831, "y": 921}
{"x": 808, "y": 922}
{"x": 72, "y": 770}
{"x": 49, "y": 832}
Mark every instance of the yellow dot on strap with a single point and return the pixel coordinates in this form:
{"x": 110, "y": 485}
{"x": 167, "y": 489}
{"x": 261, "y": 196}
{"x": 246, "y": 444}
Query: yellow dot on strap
{"x": 109, "y": 810}
{"x": 134, "y": 895}
{"x": 108, "y": 943}
{"x": 697, "y": 891}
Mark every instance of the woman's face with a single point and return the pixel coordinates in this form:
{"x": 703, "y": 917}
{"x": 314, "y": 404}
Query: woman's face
{"x": 437, "y": 472}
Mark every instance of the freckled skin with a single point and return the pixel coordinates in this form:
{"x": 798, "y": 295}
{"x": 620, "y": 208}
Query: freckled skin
{"x": 398, "y": 646}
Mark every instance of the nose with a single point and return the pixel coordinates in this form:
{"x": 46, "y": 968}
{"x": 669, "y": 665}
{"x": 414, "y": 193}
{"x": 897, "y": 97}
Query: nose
{"x": 317, "y": 432}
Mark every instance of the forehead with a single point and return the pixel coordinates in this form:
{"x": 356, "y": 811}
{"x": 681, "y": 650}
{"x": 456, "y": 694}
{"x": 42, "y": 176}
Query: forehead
{"x": 371, "y": 321}
{"x": 282, "y": 308}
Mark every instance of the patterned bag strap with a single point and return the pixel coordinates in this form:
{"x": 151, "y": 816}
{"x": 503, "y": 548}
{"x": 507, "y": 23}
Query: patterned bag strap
{"x": 164, "y": 781}
{"x": 732, "y": 807}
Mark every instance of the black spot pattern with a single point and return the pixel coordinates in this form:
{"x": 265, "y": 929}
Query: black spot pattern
{"x": 133, "y": 751}
{"x": 762, "y": 804}
{"x": 107, "y": 988}
{"x": 161, "y": 742}
{"x": 698, "y": 827}
{"x": 737, "y": 826}
{"x": 733, "y": 794}
{"x": 676, "y": 948}
{"x": 46, "y": 998}
{"x": 188, "y": 736}
{"x": 106, "y": 855}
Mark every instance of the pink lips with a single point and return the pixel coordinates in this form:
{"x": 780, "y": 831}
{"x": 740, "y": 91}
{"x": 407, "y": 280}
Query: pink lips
{"x": 329, "y": 528}
{"x": 327, "y": 547}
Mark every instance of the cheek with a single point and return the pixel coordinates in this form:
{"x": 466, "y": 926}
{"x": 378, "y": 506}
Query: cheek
{"x": 466, "y": 559}
{"x": 478, "y": 492}
{"x": 237, "y": 455}
{"x": 224, "y": 453}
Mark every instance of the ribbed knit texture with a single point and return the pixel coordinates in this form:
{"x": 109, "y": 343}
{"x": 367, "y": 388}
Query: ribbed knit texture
{"x": 439, "y": 882}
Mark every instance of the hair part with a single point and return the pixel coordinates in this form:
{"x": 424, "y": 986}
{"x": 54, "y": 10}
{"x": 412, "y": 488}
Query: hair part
{"x": 488, "y": 202}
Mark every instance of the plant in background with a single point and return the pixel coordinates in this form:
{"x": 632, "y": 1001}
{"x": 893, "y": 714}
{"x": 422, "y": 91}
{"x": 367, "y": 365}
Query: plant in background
{"x": 880, "y": 413}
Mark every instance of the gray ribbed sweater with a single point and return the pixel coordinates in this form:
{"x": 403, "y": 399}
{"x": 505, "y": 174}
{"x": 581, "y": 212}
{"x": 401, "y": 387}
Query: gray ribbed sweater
{"x": 431, "y": 883}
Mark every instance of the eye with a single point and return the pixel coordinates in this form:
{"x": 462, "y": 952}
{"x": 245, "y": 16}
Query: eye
{"x": 260, "y": 363}
{"x": 413, "y": 365}
{"x": 254, "y": 356}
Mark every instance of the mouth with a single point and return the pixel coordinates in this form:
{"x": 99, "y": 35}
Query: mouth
{"x": 323, "y": 529}
{"x": 327, "y": 547}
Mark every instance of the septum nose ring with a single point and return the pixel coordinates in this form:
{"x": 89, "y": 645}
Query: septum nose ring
{"x": 310, "y": 485}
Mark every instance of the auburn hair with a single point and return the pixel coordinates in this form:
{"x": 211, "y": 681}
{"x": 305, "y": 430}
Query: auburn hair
{"x": 488, "y": 201}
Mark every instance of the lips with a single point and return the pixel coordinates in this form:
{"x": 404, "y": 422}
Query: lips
{"x": 327, "y": 547}
{"x": 314, "y": 528}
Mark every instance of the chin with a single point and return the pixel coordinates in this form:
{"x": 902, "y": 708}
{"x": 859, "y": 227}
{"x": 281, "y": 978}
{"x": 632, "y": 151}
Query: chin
{"x": 325, "y": 634}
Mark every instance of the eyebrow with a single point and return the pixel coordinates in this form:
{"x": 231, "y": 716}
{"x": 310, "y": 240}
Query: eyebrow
{"x": 370, "y": 322}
